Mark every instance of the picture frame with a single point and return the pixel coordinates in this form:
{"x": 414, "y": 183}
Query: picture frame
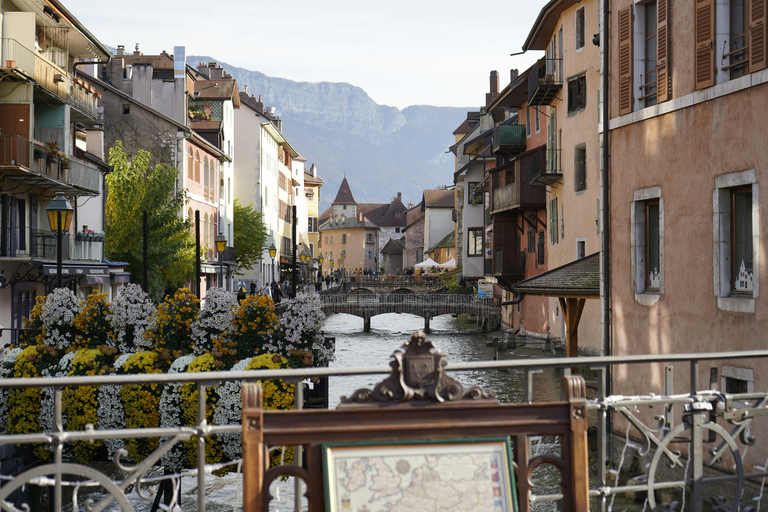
{"x": 467, "y": 474}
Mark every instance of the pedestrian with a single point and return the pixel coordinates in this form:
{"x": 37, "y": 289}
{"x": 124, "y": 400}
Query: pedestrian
{"x": 253, "y": 288}
{"x": 327, "y": 281}
{"x": 277, "y": 293}
{"x": 241, "y": 294}
{"x": 266, "y": 290}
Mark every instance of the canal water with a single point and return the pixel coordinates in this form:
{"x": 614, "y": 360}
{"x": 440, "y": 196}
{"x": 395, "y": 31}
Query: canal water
{"x": 460, "y": 341}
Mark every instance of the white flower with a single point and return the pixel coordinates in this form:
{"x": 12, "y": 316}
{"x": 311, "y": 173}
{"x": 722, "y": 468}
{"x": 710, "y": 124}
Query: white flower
{"x": 215, "y": 319}
{"x": 111, "y": 411}
{"x": 170, "y": 413}
{"x": 59, "y": 309}
{"x": 130, "y": 314}
{"x": 6, "y": 369}
{"x": 228, "y": 411}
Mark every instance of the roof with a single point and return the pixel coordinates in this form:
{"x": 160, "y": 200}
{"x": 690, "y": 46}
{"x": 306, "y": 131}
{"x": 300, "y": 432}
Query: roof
{"x": 394, "y": 246}
{"x": 164, "y": 61}
{"x": 311, "y": 180}
{"x": 448, "y": 240}
{"x": 344, "y": 195}
{"x": 443, "y": 198}
{"x": 218, "y": 89}
{"x": 349, "y": 223}
{"x": 546, "y": 24}
{"x": 580, "y": 278}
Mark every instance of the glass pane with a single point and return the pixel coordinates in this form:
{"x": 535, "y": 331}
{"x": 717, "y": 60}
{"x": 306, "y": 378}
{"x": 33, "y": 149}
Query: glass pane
{"x": 653, "y": 269}
{"x": 742, "y": 241}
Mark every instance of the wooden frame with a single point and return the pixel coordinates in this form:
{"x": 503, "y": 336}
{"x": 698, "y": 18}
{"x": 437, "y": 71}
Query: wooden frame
{"x": 418, "y": 402}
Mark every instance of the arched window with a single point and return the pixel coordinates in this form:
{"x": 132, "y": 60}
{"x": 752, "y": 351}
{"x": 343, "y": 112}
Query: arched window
{"x": 207, "y": 178}
{"x": 212, "y": 235}
{"x": 204, "y": 229}
{"x": 190, "y": 164}
{"x": 197, "y": 166}
{"x": 190, "y": 216}
{"x": 213, "y": 180}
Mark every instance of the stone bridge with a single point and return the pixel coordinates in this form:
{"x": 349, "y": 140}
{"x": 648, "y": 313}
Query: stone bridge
{"x": 426, "y": 305}
{"x": 386, "y": 285}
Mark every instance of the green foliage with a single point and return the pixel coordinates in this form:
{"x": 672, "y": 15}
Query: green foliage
{"x": 133, "y": 188}
{"x": 250, "y": 235}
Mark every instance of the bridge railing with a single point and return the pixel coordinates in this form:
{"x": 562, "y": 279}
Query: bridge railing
{"x": 694, "y": 435}
{"x": 404, "y": 281}
{"x": 427, "y": 299}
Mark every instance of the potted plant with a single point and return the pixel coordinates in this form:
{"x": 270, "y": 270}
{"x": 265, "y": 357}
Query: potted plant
{"x": 66, "y": 162}
{"x": 40, "y": 151}
{"x": 53, "y": 151}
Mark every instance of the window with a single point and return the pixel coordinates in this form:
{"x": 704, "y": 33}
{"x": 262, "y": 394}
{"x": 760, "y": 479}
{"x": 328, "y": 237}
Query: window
{"x": 126, "y": 108}
{"x": 580, "y": 29}
{"x": 540, "y": 249}
{"x": 331, "y": 238}
{"x": 370, "y": 254}
{"x": 472, "y": 195}
{"x": 475, "y": 242}
{"x": 736, "y": 241}
{"x": 537, "y": 124}
{"x": 344, "y": 238}
{"x": 581, "y": 248}
{"x": 531, "y": 240}
{"x": 528, "y": 121}
{"x": 553, "y": 231}
{"x": 580, "y": 168}
{"x": 577, "y": 94}
{"x": 312, "y": 224}
{"x": 735, "y": 380}
{"x": 648, "y": 93}
{"x": 647, "y": 242}
{"x": 738, "y": 64}
{"x": 197, "y": 166}
{"x": 369, "y": 238}
{"x": 397, "y": 230}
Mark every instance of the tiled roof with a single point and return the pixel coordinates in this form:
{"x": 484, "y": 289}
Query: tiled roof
{"x": 439, "y": 198}
{"x": 448, "y": 240}
{"x": 311, "y": 180}
{"x": 391, "y": 217}
{"x": 394, "y": 246}
{"x": 349, "y": 223}
{"x": 219, "y": 89}
{"x": 163, "y": 61}
{"x": 580, "y": 278}
{"x": 344, "y": 195}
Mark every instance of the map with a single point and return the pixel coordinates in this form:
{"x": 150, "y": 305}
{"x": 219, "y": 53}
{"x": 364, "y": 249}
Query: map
{"x": 421, "y": 478}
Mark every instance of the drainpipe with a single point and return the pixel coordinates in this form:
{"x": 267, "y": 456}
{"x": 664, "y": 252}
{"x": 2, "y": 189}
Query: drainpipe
{"x": 606, "y": 205}
{"x": 513, "y": 302}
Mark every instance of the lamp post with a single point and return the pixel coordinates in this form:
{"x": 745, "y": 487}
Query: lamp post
{"x": 221, "y": 245}
{"x": 60, "y": 214}
{"x": 272, "y": 253}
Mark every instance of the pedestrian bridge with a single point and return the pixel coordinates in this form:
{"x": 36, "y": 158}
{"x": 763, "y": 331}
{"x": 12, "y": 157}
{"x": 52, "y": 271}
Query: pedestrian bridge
{"x": 387, "y": 285}
{"x": 425, "y": 305}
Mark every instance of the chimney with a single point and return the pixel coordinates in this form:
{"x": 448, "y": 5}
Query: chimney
{"x": 215, "y": 72}
{"x": 359, "y": 217}
{"x": 120, "y": 49}
{"x": 136, "y": 51}
{"x": 202, "y": 68}
{"x": 494, "y": 87}
{"x": 513, "y": 73}
{"x": 313, "y": 171}
{"x": 400, "y": 196}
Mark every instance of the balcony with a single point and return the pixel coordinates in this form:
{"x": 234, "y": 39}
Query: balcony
{"x": 508, "y": 138}
{"x": 16, "y": 242}
{"x": 544, "y": 167}
{"x": 18, "y": 60}
{"x": 509, "y": 264}
{"x": 545, "y": 81}
{"x": 26, "y": 164}
{"x": 519, "y": 194}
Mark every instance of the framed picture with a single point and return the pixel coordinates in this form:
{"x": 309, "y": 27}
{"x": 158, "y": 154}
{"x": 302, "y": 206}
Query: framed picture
{"x": 456, "y": 474}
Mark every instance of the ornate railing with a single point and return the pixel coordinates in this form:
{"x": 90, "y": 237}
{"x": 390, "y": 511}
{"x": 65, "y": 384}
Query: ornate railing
{"x": 695, "y": 441}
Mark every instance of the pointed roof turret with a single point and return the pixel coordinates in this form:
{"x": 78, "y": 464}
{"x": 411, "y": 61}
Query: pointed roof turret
{"x": 344, "y": 195}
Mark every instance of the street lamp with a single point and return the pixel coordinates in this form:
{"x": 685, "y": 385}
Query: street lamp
{"x": 272, "y": 253}
{"x": 60, "y": 214}
{"x": 221, "y": 245}
{"x": 304, "y": 259}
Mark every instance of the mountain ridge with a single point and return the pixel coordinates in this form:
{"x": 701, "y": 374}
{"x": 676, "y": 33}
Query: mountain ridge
{"x": 381, "y": 149}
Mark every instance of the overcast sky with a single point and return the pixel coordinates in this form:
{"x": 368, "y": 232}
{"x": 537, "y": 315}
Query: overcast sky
{"x": 401, "y": 52}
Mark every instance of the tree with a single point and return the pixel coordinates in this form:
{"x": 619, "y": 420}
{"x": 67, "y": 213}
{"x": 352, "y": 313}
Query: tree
{"x": 250, "y": 235}
{"x": 133, "y": 188}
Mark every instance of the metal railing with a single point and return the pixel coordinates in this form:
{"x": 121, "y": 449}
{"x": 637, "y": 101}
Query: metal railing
{"x": 508, "y": 136}
{"x": 35, "y": 66}
{"x": 402, "y": 281}
{"x": 545, "y": 80}
{"x": 693, "y": 439}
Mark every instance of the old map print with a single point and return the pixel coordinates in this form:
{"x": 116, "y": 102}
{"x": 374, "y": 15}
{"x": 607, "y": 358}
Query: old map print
{"x": 456, "y": 476}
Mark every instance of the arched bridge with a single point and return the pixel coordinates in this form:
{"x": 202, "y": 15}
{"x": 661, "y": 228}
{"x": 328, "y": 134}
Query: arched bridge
{"x": 426, "y": 305}
{"x": 387, "y": 285}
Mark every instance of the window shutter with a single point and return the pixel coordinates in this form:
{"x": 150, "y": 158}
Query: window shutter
{"x": 663, "y": 84}
{"x": 705, "y": 43}
{"x": 757, "y": 35}
{"x": 625, "y": 61}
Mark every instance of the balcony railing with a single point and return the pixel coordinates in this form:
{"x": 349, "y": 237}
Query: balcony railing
{"x": 508, "y": 138}
{"x": 48, "y": 74}
{"x": 545, "y": 81}
{"x": 83, "y": 175}
{"x": 519, "y": 194}
{"x": 544, "y": 167}
{"x": 510, "y": 264}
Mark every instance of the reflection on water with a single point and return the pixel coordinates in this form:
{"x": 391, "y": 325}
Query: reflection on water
{"x": 459, "y": 341}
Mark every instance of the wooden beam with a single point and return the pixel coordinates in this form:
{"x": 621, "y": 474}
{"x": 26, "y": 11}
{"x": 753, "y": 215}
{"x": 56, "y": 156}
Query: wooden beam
{"x": 572, "y": 309}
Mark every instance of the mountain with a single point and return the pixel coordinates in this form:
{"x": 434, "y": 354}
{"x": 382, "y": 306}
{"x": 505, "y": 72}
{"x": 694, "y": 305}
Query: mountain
{"x": 337, "y": 126}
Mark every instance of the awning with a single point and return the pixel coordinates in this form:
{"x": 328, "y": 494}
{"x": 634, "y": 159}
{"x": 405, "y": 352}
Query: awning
{"x": 572, "y": 283}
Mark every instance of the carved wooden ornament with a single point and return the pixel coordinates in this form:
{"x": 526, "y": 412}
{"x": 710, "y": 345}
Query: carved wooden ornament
{"x": 417, "y": 375}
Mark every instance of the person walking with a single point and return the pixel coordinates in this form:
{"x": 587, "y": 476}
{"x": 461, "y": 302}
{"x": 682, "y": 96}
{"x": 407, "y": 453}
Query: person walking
{"x": 241, "y": 294}
{"x": 266, "y": 290}
{"x": 327, "y": 281}
{"x": 277, "y": 293}
{"x": 253, "y": 288}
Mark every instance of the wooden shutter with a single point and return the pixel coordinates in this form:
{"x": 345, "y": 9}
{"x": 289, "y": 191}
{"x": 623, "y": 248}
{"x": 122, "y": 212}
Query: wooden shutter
{"x": 757, "y": 35}
{"x": 704, "y": 64}
{"x": 625, "y": 61}
{"x": 663, "y": 83}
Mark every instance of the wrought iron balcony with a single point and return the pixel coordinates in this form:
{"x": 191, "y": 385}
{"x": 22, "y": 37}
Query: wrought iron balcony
{"x": 545, "y": 168}
{"x": 509, "y": 264}
{"x": 545, "y": 81}
{"x": 508, "y": 138}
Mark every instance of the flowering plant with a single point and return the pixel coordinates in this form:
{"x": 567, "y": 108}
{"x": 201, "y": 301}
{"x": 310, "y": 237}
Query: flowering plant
{"x": 92, "y": 322}
{"x": 299, "y": 333}
{"x": 111, "y": 411}
{"x": 141, "y": 402}
{"x": 56, "y": 317}
{"x": 189, "y": 396}
{"x": 214, "y": 320}
{"x": 171, "y": 325}
{"x": 170, "y": 413}
{"x": 254, "y": 323}
{"x": 130, "y": 314}
{"x": 34, "y": 324}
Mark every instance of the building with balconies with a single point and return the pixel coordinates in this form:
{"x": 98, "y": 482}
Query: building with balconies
{"x": 51, "y": 141}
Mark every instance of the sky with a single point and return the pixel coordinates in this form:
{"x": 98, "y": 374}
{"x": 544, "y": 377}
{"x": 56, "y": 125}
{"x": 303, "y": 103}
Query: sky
{"x": 401, "y": 52}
